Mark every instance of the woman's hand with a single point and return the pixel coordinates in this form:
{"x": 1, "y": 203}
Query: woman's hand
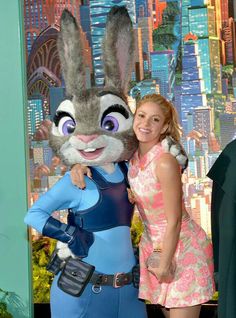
{"x": 163, "y": 275}
{"x": 77, "y": 174}
{"x": 131, "y": 196}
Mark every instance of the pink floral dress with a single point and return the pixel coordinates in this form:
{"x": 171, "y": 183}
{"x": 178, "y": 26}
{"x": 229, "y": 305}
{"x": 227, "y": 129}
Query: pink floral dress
{"x": 193, "y": 281}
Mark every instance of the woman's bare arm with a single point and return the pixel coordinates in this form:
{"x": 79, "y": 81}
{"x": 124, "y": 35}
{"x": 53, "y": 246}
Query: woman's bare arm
{"x": 169, "y": 176}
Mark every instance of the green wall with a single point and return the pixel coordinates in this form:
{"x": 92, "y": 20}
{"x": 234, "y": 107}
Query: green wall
{"x": 15, "y": 267}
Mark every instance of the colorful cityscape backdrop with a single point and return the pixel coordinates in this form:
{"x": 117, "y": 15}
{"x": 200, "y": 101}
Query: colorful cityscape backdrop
{"x": 185, "y": 50}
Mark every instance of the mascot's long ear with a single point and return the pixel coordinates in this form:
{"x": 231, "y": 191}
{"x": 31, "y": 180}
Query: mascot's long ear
{"x": 118, "y": 49}
{"x": 70, "y": 52}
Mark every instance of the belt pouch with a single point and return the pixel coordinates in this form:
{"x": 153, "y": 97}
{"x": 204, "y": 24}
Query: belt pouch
{"x": 75, "y": 276}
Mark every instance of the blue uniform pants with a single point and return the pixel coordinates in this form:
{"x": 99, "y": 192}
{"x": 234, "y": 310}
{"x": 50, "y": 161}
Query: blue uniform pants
{"x": 109, "y": 303}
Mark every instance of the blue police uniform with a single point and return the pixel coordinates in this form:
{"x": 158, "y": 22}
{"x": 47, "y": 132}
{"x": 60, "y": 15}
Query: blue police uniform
{"x": 103, "y": 209}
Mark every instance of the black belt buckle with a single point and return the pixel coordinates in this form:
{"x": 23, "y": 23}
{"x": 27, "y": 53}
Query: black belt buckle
{"x": 119, "y": 280}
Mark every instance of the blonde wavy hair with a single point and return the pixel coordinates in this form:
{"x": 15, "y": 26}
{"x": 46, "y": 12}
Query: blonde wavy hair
{"x": 171, "y": 116}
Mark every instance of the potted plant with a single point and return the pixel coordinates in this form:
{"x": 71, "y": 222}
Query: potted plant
{"x": 4, "y": 313}
{"x": 42, "y": 249}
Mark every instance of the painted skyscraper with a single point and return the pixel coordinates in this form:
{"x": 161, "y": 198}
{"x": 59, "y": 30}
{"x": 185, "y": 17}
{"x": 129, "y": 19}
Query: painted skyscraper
{"x": 228, "y": 128}
{"x": 192, "y": 87}
{"x": 184, "y": 18}
{"x": 141, "y": 7}
{"x": 202, "y": 120}
{"x": 35, "y": 114}
{"x": 146, "y": 26}
{"x": 159, "y": 7}
{"x": 39, "y": 14}
{"x": 138, "y": 71}
{"x": 163, "y": 71}
{"x": 202, "y": 23}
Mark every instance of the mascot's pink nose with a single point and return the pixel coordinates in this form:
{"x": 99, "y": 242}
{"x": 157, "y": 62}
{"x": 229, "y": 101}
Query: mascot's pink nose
{"x": 87, "y": 138}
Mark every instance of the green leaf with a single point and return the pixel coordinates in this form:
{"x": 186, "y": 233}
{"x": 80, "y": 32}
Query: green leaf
{"x": 42, "y": 279}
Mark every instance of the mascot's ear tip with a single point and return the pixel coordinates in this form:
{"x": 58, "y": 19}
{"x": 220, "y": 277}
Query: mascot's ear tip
{"x": 118, "y": 10}
{"x": 67, "y": 15}
{"x": 116, "y": 13}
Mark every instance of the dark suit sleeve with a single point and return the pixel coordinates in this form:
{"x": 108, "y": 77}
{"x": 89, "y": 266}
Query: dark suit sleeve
{"x": 223, "y": 172}
{"x": 223, "y": 220}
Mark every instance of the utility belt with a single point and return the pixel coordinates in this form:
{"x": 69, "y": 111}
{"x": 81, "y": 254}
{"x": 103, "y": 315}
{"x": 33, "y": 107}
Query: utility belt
{"x": 76, "y": 274}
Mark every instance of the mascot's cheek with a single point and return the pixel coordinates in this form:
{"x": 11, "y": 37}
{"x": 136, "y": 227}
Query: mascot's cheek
{"x": 70, "y": 155}
{"x": 113, "y": 151}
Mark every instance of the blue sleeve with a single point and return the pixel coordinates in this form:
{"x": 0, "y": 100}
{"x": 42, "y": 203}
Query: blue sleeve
{"x": 62, "y": 195}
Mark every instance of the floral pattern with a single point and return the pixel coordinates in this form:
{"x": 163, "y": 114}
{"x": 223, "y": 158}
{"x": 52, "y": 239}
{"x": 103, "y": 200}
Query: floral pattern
{"x": 193, "y": 281}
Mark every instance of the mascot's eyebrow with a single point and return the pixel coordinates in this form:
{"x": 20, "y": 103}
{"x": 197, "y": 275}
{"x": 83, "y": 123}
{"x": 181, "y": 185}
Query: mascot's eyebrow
{"x": 117, "y": 109}
{"x": 59, "y": 115}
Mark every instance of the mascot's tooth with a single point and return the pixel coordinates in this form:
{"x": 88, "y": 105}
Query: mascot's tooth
{"x": 89, "y": 149}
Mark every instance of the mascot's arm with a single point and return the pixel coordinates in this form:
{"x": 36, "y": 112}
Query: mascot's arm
{"x": 176, "y": 150}
{"x": 59, "y": 197}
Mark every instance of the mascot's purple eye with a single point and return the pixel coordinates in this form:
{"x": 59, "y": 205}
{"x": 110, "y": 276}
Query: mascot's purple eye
{"x": 66, "y": 126}
{"x": 110, "y": 123}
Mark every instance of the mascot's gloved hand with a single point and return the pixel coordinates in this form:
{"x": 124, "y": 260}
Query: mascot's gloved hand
{"x": 78, "y": 239}
{"x": 63, "y": 251}
{"x": 176, "y": 150}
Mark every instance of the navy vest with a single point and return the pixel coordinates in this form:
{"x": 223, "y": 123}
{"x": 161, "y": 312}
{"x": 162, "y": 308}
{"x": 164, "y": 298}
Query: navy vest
{"x": 112, "y": 209}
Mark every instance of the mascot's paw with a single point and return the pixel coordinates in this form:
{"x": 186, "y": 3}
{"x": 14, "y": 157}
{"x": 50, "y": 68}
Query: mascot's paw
{"x": 63, "y": 251}
{"x": 170, "y": 145}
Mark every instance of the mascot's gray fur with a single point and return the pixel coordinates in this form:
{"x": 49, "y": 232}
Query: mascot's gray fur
{"x": 87, "y": 106}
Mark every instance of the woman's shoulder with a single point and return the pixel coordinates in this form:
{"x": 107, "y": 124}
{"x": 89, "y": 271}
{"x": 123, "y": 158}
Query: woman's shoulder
{"x": 167, "y": 160}
{"x": 162, "y": 154}
{"x": 166, "y": 163}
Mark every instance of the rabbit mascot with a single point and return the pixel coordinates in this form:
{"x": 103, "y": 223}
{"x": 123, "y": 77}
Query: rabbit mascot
{"x": 93, "y": 127}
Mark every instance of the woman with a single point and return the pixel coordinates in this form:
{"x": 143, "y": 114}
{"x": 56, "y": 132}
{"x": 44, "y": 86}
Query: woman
{"x": 182, "y": 279}
{"x": 155, "y": 180}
